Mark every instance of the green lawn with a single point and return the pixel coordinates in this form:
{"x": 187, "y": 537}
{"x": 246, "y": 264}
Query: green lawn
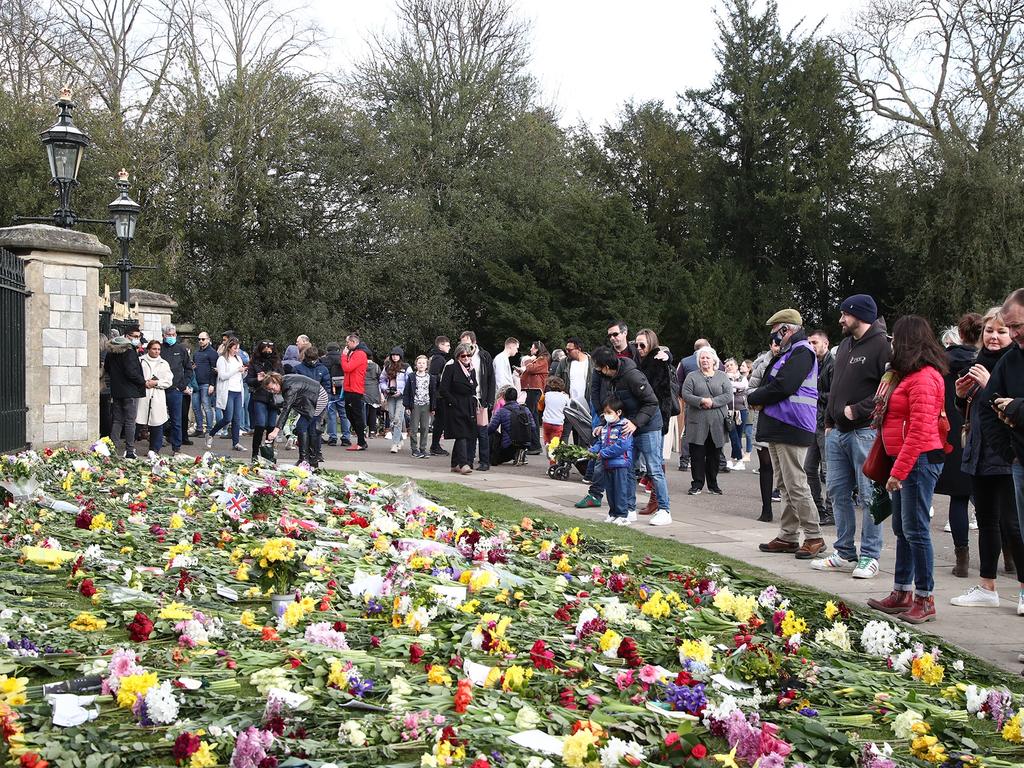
{"x": 501, "y": 507}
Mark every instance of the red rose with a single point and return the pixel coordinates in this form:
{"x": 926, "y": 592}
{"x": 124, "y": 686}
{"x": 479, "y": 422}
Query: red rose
{"x": 415, "y": 653}
{"x": 197, "y": 537}
{"x": 83, "y": 520}
{"x": 87, "y": 588}
{"x": 140, "y": 628}
{"x": 699, "y": 752}
{"x": 541, "y": 657}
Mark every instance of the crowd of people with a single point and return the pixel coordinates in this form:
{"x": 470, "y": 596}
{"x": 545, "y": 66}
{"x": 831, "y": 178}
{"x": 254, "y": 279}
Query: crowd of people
{"x": 842, "y": 436}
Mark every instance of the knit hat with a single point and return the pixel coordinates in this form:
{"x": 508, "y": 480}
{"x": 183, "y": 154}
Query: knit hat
{"x": 333, "y": 346}
{"x": 398, "y": 351}
{"x": 861, "y": 306}
{"x": 787, "y": 316}
{"x": 121, "y": 341}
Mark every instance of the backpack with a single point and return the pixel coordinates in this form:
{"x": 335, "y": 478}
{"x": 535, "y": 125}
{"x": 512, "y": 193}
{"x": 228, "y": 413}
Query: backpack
{"x": 519, "y": 430}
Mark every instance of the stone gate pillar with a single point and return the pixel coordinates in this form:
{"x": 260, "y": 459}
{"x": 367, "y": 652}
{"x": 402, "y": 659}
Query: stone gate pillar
{"x": 62, "y": 376}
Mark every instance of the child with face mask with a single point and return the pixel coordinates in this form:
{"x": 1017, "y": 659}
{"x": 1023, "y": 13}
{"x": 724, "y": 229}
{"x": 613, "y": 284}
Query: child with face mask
{"x": 615, "y": 450}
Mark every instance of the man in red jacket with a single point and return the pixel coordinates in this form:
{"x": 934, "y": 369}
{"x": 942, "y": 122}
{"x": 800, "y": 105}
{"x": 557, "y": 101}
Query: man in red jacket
{"x": 353, "y": 363}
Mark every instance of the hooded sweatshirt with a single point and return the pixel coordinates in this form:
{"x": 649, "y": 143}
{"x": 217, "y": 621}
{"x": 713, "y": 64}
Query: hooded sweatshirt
{"x": 860, "y": 364}
{"x": 125, "y": 370}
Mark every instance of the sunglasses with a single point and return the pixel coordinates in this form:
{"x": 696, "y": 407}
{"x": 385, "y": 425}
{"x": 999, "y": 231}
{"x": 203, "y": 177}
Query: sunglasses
{"x": 614, "y": 335}
{"x": 464, "y": 356}
{"x": 641, "y": 345}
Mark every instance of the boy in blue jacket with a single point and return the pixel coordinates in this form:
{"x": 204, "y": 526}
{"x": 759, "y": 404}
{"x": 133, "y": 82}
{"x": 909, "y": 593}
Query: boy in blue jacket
{"x": 615, "y": 451}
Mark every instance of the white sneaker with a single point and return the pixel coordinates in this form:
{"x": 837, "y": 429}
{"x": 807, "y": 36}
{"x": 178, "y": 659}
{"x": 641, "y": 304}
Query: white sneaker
{"x": 394, "y": 448}
{"x": 610, "y": 519}
{"x": 1020, "y": 604}
{"x": 972, "y": 521}
{"x": 867, "y": 568}
{"x": 931, "y": 512}
{"x": 739, "y": 466}
{"x": 661, "y": 517}
{"x": 948, "y": 528}
{"x": 621, "y": 521}
{"x": 977, "y": 597}
{"x": 153, "y": 456}
{"x": 730, "y": 465}
{"x": 834, "y": 562}
{"x": 631, "y": 516}
{"x": 209, "y": 442}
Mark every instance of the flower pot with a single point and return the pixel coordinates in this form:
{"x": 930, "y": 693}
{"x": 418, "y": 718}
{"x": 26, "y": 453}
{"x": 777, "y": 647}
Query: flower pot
{"x": 278, "y": 603}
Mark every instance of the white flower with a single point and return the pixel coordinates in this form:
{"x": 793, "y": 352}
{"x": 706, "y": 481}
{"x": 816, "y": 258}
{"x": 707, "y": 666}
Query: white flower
{"x": 161, "y": 704}
{"x": 641, "y": 625}
{"x": 768, "y": 597}
{"x": 352, "y": 733}
{"x": 836, "y": 635}
{"x": 902, "y": 662}
{"x": 539, "y": 762}
{"x": 527, "y": 718}
{"x": 720, "y": 711}
{"x": 878, "y": 638}
{"x": 958, "y": 665}
{"x": 616, "y": 749}
{"x": 615, "y": 611}
{"x": 385, "y": 524}
{"x": 903, "y": 724}
{"x": 976, "y": 698}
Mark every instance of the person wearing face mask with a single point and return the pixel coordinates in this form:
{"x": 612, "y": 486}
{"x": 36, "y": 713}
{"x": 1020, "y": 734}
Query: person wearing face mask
{"x": 180, "y": 362}
{"x": 127, "y": 384}
{"x": 788, "y": 399}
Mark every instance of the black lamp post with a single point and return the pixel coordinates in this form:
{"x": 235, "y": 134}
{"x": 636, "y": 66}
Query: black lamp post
{"x": 65, "y": 145}
{"x": 124, "y": 213}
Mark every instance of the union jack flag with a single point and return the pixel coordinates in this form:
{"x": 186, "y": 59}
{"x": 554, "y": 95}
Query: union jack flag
{"x": 239, "y": 503}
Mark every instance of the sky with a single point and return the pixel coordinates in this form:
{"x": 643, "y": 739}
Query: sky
{"x": 590, "y": 57}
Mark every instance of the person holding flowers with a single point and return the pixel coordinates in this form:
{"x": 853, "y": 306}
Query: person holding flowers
{"x": 152, "y": 407}
{"x": 911, "y": 437}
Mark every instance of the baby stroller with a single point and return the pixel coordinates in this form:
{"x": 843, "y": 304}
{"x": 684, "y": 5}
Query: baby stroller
{"x": 576, "y": 456}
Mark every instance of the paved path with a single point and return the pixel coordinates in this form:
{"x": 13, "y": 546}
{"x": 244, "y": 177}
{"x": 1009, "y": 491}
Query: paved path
{"x": 727, "y": 525}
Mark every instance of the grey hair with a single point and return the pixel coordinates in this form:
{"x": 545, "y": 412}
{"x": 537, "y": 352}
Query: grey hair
{"x": 468, "y": 348}
{"x": 707, "y": 351}
{"x": 168, "y": 329}
{"x": 950, "y": 336}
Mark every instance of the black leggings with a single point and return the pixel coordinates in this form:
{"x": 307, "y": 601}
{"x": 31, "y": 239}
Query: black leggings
{"x": 766, "y": 477}
{"x": 460, "y": 452}
{"x": 704, "y": 463}
{"x": 996, "y": 510}
{"x": 958, "y": 524}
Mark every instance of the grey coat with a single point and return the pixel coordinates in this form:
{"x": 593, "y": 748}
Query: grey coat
{"x": 700, "y": 422}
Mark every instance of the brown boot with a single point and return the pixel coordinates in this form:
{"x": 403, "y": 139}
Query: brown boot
{"x": 652, "y": 505}
{"x": 921, "y": 611}
{"x": 896, "y": 602}
{"x": 963, "y": 560}
{"x": 810, "y": 549}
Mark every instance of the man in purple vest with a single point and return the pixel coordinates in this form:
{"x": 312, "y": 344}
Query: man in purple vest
{"x": 788, "y": 400}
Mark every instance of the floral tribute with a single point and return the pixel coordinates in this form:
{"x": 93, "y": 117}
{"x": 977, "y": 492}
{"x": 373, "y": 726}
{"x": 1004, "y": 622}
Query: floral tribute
{"x": 137, "y": 628}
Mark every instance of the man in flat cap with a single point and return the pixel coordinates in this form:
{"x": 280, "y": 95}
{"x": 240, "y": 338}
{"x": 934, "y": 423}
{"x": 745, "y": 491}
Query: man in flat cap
{"x": 788, "y": 399}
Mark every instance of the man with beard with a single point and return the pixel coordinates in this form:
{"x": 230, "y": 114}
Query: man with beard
{"x": 859, "y": 366}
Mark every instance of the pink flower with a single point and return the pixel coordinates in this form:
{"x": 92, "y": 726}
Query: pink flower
{"x": 624, "y": 679}
{"x": 593, "y": 700}
{"x": 648, "y": 674}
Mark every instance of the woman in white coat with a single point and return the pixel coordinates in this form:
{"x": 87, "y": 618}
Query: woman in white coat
{"x": 230, "y": 380}
{"x": 152, "y": 407}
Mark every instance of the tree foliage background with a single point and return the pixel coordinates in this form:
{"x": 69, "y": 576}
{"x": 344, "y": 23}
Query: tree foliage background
{"x": 430, "y": 188}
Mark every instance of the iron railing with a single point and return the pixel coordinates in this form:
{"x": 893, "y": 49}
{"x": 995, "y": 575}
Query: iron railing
{"x": 12, "y": 352}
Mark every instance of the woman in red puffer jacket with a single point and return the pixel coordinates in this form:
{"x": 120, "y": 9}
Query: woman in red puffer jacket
{"x": 912, "y": 438}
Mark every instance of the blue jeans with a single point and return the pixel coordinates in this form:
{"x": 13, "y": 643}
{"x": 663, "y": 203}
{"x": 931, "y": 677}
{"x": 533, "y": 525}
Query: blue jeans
{"x": 262, "y": 415}
{"x": 336, "y": 413}
{"x": 233, "y": 414}
{"x": 484, "y": 439}
{"x": 1018, "y": 491}
{"x": 617, "y": 483}
{"x": 649, "y": 446}
{"x": 912, "y": 526}
{"x": 246, "y": 426}
{"x": 174, "y": 416}
{"x": 396, "y": 410}
{"x": 736, "y": 439}
{"x": 307, "y": 425}
{"x": 747, "y": 430}
{"x": 845, "y": 453}
{"x": 202, "y": 407}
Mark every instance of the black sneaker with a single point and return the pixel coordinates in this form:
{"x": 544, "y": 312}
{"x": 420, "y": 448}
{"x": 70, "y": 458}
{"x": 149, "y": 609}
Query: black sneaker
{"x": 130, "y": 454}
{"x": 826, "y": 519}
{"x": 439, "y": 451}
{"x": 334, "y": 441}
{"x": 776, "y": 497}
{"x": 684, "y": 466}
{"x": 346, "y": 442}
{"x": 716, "y": 491}
{"x": 482, "y": 467}
{"x": 694, "y": 491}
{"x": 186, "y": 442}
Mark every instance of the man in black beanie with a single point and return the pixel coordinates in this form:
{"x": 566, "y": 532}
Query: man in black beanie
{"x": 860, "y": 363}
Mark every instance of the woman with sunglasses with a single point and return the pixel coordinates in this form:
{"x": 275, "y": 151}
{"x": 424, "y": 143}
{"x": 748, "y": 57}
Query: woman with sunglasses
{"x": 457, "y": 389}
{"x": 263, "y": 411}
{"x": 652, "y": 361}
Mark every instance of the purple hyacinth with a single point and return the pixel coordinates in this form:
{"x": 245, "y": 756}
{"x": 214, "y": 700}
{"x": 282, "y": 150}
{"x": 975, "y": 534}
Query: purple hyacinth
{"x": 686, "y": 698}
{"x": 360, "y": 688}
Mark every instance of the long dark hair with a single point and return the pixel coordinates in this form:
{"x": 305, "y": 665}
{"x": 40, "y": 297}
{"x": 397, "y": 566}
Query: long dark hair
{"x": 542, "y": 351}
{"x": 914, "y": 346}
{"x": 261, "y": 354}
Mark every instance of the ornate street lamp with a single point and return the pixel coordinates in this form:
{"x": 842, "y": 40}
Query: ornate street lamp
{"x": 124, "y": 213}
{"x": 65, "y": 145}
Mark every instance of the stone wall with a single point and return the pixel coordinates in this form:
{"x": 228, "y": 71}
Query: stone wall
{"x": 62, "y": 376}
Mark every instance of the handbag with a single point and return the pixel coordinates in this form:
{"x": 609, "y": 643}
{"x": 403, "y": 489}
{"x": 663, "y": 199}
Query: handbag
{"x": 481, "y": 416}
{"x": 267, "y": 452}
{"x": 878, "y": 465}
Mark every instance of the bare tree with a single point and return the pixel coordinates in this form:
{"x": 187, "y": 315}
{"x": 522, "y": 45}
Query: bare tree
{"x": 948, "y": 70}
{"x": 30, "y": 70}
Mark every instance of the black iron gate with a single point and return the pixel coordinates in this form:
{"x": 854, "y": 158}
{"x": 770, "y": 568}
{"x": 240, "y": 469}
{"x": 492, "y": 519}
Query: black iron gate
{"x": 12, "y": 352}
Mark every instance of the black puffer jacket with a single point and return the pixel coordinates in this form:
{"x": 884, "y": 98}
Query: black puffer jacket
{"x": 954, "y": 481}
{"x": 300, "y": 394}
{"x": 636, "y": 393}
{"x": 258, "y": 365}
{"x": 125, "y": 371}
{"x": 659, "y": 374}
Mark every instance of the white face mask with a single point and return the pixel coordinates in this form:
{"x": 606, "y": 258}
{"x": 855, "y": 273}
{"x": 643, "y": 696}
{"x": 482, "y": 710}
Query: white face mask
{"x": 611, "y": 418}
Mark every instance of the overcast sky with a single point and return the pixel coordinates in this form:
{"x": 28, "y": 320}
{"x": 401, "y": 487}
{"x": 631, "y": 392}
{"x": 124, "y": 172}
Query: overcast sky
{"x": 590, "y": 56}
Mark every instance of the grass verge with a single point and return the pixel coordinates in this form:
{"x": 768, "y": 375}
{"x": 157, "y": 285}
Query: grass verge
{"x": 502, "y": 507}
